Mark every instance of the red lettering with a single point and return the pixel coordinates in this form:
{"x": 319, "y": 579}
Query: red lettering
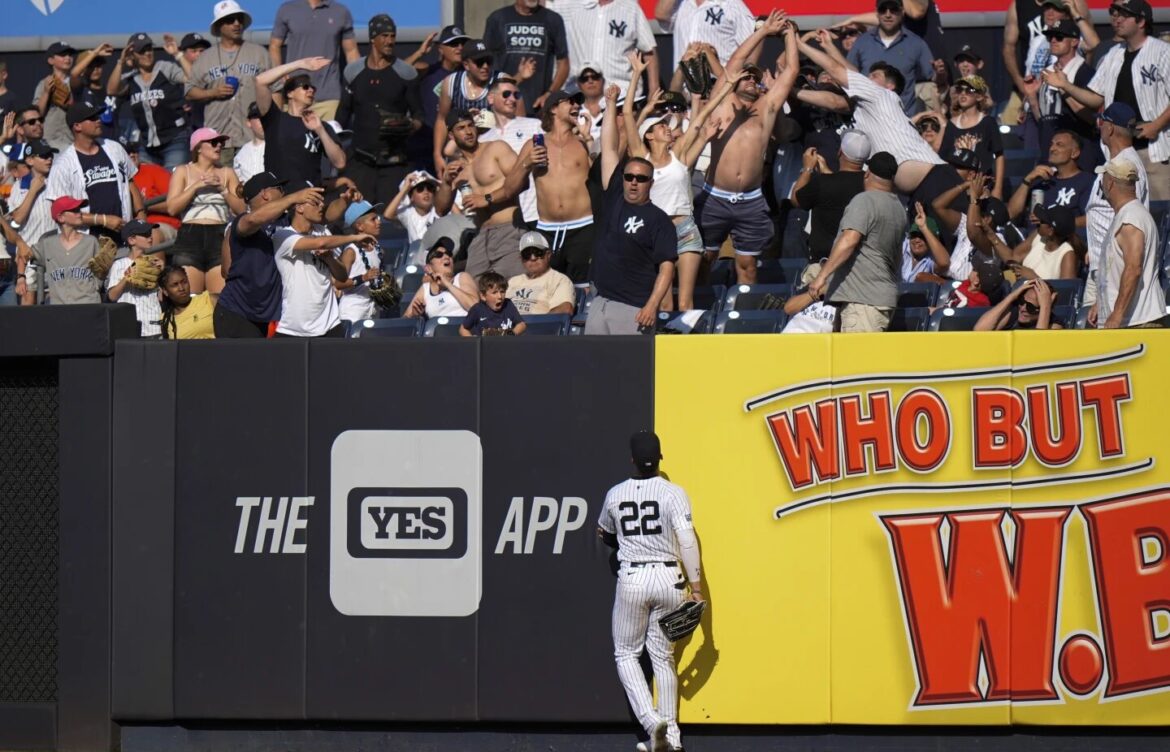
{"x": 976, "y": 601}
{"x": 923, "y": 456}
{"x": 810, "y": 447}
{"x": 1105, "y": 396}
{"x": 858, "y": 431}
{"x": 1000, "y": 439}
{"x": 1132, "y": 587}
{"x": 1061, "y": 446}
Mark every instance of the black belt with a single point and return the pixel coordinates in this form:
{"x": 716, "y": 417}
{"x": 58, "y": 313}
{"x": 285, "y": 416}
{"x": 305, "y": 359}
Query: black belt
{"x": 637, "y": 564}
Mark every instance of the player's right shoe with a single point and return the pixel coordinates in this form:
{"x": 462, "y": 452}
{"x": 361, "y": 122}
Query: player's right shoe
{"x": 658, "y": 741}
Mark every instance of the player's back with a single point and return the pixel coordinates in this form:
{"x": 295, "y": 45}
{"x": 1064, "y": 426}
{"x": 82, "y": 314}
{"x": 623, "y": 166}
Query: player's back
{"x": 644, "y": 514}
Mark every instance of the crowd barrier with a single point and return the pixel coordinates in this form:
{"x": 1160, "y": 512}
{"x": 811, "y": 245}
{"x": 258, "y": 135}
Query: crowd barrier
{"x": 897, "y": 530}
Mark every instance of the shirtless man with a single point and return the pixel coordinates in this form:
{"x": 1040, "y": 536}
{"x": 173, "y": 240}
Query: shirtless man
{"x": 922, "y": 173}
{"x": 559, "y": 169}
{"x": 731, "y": 201}
{"x": 484, "y": 166}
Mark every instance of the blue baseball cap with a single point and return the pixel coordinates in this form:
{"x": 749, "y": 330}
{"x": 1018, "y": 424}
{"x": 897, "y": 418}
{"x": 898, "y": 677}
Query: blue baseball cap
{"x": 1119, "y": 113}
{"x": 359, "y": 209}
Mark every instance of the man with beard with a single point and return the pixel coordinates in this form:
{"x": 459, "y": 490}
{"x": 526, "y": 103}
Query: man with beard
{"x": 732, "y": 202}
{"x": 381, "y": 103}
{"x": 484, "y": 168}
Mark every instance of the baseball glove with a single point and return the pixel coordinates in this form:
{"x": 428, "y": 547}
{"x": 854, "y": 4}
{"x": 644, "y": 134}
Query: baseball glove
{"x": 59, "y": 93}
{"x": 144, "y": 274}
{"x": 100, "y": 264}
{"x": 697, "y": 75}
{"x": 682, "y": 621}
{"x": 387, "y": 294}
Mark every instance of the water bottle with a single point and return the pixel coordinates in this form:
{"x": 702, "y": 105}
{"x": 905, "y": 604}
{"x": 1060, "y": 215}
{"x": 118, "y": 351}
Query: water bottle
{"x": 466, "y": 190}
{"x": 1037, "y": 199}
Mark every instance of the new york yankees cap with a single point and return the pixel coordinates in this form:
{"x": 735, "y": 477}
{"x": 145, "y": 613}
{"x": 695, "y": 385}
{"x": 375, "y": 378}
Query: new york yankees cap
{"x": 452, "y": 35}
{"x": 645, "y": 449}
{"x": 967, "y": 51}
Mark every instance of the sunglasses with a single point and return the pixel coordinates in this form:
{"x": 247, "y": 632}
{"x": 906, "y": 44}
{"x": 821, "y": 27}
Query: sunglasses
{"x": 1030, "y": 307}
{"x": 928, "y": 125}
{"x": 482, "y": 62}
{"x": 891, "y": 9}
{"x": 438, "y": 254}
{"x": 31, "y": 121}
{"x": 585, "y": 77}
{"x": 1114, "y": 12}
{"x": 630, "y": 177}
{"x": 510, "y": 93}
{"x": 305, "y": 86}
{"x": 847, "y": 33}
{"x": 965, "y": 90}
{"x": 235, "y": 19}
{"x": 1057, "y": 37}
{"x": 532, "y": 253}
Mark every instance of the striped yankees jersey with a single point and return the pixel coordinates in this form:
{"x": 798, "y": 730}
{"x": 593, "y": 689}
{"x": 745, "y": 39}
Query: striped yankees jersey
{"x": 879, "y": 115}
{"x": 1151, "y": 85}
{"x": 723, "y": 24}
{"x": 645, "y": 513}
{"x": 603, "y": 34}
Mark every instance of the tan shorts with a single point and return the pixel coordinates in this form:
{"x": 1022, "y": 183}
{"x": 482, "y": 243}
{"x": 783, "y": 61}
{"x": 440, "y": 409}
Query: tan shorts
{"x": 495, "y": 248}
{"x": 858, "y": 317}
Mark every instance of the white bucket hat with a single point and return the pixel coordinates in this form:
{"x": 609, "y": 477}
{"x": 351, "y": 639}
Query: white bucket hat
{"x": 225, "y": 8}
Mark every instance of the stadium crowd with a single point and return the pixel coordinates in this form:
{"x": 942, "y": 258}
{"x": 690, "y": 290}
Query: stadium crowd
{"x": 556, "y": 176}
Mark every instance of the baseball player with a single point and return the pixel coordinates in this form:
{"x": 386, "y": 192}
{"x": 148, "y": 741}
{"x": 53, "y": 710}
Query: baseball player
{"x": 648, "y": 520}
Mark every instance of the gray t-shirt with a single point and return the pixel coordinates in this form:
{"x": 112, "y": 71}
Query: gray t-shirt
{"x": 57, "y": 130}
{"x": 870, "y": 276}
{"x": 229, "y": 117}
{"x": 315, "y": 32}
{"x": 65, "y": 272}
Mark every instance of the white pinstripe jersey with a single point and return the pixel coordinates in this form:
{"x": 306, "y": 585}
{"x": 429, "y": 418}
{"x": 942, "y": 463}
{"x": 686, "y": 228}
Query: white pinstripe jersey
{"x": 645, "y": 514}
{"x": 880, "y": 116}
{"x": 723, "y": 24}
{"x": 604, "y": 34}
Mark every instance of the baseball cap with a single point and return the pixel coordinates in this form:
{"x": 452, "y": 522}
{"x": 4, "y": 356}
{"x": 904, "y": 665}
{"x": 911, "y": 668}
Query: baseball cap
{"x": 382, "y": 24}
{"x": 203, "y": 135}
{"x": 595, "y": 67}
{"x": 193, "y": 40}
{"x": 1122, "y": 169}
{"x": 673, "y": 100}
{"x": 259, "y": 182}
{"x": 79, "y": 112}
{"x": 444, "y": 243}
{"x": 649, "y": 123}
{"x": 975, "y": 83}
{"x": 1135, "y": 8}
{"x": 224, "y": 9}
{"x": 1062, "y": 218}
{"x": 964, "y": 159}
{"x": 930, "y": 225}
{"x": 137, "y": 227}
{"x": 452, "y": 35}
{"x": 64, "y": 204}
{"x": 140, "y": 42}
{"x": 990, "y": 273}
{"x": 1064, "y": 27}
{"x": 645, "y": 449}
{"x": 969, "y": 52}
{"x": 1119, "y": 113}
{"x": 855, "y": 146}
{"x": 475, "y": 49}
{"x": 39, "y": 148}
{"x": 996, "y": 210}
{"x": 458, "y": 116}
{"x": 1058, "y": 4}
{"x": 426, "y": 178}
{"x": 883, "y": 165}
{"x": 561, "y": 96}
{"x": 533, "y": 239}
{"x": 485, "y": 120}
{"x": 881, "y": 4}
{"x": 297, "y": 81}
{"x": 359, "y": 209}
{"x": 60, "y": 48}
{"x": 15, "y": 152}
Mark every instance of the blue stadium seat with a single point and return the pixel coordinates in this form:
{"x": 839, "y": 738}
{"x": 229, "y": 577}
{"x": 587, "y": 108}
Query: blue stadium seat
{"x": 771, "y": 271}
{"x": 1082, "y": 320}
{"x": 1160, "y": 210}
{"x": 409, "y": 278}
{"x": 443, "y": 326}
{"x": 917, "y": 294}
{"x": 709, "y": 297}
{"x": 792, "y": 269}
{"x": 1065, "y": 315}
{"x": 585, "y": 296}
{"x": 909, "y": 320}
{"x": 750, "y": 322}
{"x": 722, "y": 272}
{"x": 955, "y": 319}
{"x": 387, "y": 328}
{"x": 549, "y": 324}
{"x": 668, "y": 321}
{"x": 750, "y": 297}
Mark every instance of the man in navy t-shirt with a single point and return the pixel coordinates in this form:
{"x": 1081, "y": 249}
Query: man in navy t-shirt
{"x": 633, "y": 256}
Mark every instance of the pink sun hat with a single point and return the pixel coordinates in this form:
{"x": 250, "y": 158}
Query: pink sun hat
{"x": 203, "y": 135}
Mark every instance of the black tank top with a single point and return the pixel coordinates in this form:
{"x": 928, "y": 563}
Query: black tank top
{"x": 929, "y": 27}
{"x": 1030, "y": 24}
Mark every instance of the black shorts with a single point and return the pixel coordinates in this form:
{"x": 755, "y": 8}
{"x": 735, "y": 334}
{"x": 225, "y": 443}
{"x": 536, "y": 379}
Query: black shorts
{"x": 571, "y": 244}
{"x": 198, "y": 246}
{"x": 938, "y": 181}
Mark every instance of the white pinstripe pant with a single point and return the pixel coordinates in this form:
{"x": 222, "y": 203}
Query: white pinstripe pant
{"x": 644, "y": 595}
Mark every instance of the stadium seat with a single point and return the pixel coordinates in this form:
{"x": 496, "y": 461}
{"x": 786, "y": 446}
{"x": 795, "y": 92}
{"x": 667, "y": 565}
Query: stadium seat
{"x": 909, "y": 320}
{"x": 1066, "y": 316}
{"x": 751, "y": 297}
{"x": 955, "y": 319}
{"x": 669, "y": 322}
{"x": 750, "y": 322}
{"x": 585, "y": 296}
{"x": 387, "y": 328}
{"x": 917, "y": 294}
{"x": 709, "y": 297}
{"x": 792, "y": 269}
{"x": 548, "y": 324}
{"x": 771, "y": 271}
{"x": 442, "y": 326}
{"x": 1082, "y": 320}
{"x": 722, "y": 272}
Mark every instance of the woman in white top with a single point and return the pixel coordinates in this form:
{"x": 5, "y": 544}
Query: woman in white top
{"x": 204, "y": 195}
{"x": 443, "y": 293}
{"x": 1049, "y": 251}
{"x": 654, "y": 138}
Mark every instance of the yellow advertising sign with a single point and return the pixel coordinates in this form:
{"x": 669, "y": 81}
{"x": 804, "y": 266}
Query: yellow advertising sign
{"x": 907, "y": 529}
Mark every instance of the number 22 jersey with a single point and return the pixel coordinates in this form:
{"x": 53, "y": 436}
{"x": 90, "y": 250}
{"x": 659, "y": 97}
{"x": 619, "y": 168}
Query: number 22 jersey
{"x": 645, "y": 514}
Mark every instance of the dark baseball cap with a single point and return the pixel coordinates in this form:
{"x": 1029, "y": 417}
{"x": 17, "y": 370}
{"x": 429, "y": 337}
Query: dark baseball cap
{"x": 645, "y": 449}
{"x": 457, "y": 116}
{"x": 968, "y": 52}
{"x": 1135, "y": 8}
{"x": 990, "y": 272}
{"x": 996, "y": 209}
{"x": 79, "y": 112}
{"x": 259, "y": 182}
{"x": 297, "y": 81}
{"x": 475, "y": 49}
{"x": 444, "y": 243}
{"x": 563, "y": 96}
{"x": 964, "y": 159}
{"x": 1119, "y": 113}
{"x": 1063, "y": 219}
{"x": 140, "y": 42}
{"x": 881, "y": 4}
{"x": 193, "y": 40}
{"x": 39, "y": 148}
{"x": 382, "y": 24}
{"x": 1064, "y": 27}
{"x": 883, "y": 165}
{"x": 137, "y": 227}
{"x": 60, "y": 48}
{"x": 452, "y": 35}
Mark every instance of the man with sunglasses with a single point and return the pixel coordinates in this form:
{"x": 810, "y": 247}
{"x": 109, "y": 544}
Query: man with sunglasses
{"x": 1053, "y": 109}
{"x": 225, "y": 103}
{"x": 1136, "y": 73}
{"x": 316, "y": 28}
{"x": 540, "y": 289}
{"x": 890, "y": 43}
{"x": 463, "y": 91}
{"x": 30, "y": 126}
{"x": 528, "y": 30}
{"x": 504, "y": 101}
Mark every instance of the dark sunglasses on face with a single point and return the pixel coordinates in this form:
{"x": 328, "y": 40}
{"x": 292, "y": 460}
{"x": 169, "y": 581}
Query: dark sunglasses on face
{"x": 308, "y": 87}
{"x": 236, "y": 19}
{"x": 509, "y": 93}
{"x": 928, "y": 125}
{"x": 964, "y": 90}
{"x": 532, "y": 253}
{"x": 1115, "y": 12}
{"x": 847, "y": 33}
{"x": 423, "y": 187}
{"x": 438, "y": 254}
{"x": 893, "y": 9}
{"x": 482, "y": 62}
{"x": 1057, "y": 37}
{"x": 31, "y": 121}
{"x": 1030, "y": 307}
{"x": 585, "y": 77}
{"x": 630, "y": 177}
